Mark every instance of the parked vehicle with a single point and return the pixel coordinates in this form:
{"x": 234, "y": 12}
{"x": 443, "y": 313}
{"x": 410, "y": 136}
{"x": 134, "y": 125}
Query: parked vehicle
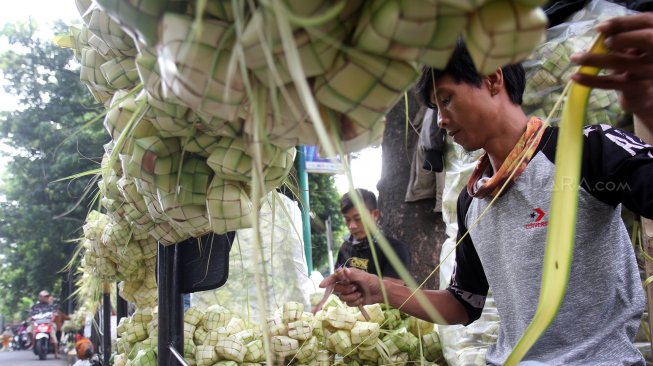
{"x": 86, "y": 355}
{"x": 43, "y": 330}
{"x": 22, "y": 339}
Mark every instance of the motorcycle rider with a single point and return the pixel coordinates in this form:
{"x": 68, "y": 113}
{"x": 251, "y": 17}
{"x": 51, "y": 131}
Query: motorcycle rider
{"x": 21, "y": 336}
{"x": 44, "y": 306}
{"x": 58, "y": 317}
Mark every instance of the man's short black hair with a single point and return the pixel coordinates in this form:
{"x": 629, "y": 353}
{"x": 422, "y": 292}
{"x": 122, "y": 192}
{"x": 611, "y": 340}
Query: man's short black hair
{"x": 368, "y": 197}
{"x": 461, "y": 68}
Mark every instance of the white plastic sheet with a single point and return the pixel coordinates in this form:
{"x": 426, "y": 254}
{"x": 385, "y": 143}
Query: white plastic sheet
{"x": 284, "y": 264}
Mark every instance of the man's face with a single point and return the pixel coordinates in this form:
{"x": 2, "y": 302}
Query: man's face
{"x": 43, "y": 298}
{"x": 355, "y": 224}
{"x": 465, "y": 111}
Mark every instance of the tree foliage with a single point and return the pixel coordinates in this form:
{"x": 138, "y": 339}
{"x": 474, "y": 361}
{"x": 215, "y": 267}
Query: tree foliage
{"x": 44, "y": 142}
{"x": 325, "y": 203}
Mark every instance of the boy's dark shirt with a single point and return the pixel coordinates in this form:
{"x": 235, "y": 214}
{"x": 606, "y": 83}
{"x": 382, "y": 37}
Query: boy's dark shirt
{"x": 358, "y": 254}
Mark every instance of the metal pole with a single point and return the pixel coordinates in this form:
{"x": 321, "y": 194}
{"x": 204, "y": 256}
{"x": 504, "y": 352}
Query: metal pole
{"x": 121, "y": 306}
{"x": 95, "y": 324}
{"x": 306, "y": 206}
{"x": 106, "y": 323}
{"x": 171, "y": 307}
{"x": 329, "y": 235}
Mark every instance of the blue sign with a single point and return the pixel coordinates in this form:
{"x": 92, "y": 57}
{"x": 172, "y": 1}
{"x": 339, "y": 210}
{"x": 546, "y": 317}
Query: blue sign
{"x": 317, "y": 164}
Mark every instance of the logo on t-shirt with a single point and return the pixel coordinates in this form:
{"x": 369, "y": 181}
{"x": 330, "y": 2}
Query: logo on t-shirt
{"x": 360, "y": 263}
{"x": 537, "y": 217}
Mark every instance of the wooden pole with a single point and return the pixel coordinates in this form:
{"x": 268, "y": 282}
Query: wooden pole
{"x": 647, "y": 232}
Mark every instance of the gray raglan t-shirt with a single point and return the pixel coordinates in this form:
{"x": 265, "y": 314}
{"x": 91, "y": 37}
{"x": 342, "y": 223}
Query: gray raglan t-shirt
{"x": 601, "y": 312}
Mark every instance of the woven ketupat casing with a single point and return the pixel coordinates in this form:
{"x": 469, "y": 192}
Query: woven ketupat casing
{"x": 206, "y": 355}
{"x": 308, "y": 350}
{"x": 228, "y": 206}
{"x": 503, "y": 32}
{"x": 195, "y": 69}
{"x": 418, "y": 31}
{"x": 231, "y": 348}
{"x": 255, "y": 351}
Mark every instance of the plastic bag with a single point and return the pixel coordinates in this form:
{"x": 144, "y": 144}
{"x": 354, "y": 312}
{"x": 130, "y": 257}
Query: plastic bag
{"x": 426, "y": 183}
{"x": 284, "y": 264}
{"x": 549, "y": 68}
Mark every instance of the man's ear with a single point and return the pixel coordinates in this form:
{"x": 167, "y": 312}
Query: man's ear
{"x": 494, "y": 81}
{"x": 375, "y": 213}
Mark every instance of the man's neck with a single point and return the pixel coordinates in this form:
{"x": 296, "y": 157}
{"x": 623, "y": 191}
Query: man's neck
{"x": 510, "y": 127}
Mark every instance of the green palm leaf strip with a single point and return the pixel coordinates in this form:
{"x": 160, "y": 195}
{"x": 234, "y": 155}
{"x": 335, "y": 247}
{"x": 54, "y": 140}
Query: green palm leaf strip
{"x": 564, "y": 204}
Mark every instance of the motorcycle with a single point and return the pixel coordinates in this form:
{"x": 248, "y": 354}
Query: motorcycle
{"x": 43, "y": 327}
{"x": 92, "y": 361}
{"x": 22, "y": 339}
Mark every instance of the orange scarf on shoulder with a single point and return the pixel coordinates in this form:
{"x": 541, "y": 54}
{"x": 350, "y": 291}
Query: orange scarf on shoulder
{"x": 525, "y": 146}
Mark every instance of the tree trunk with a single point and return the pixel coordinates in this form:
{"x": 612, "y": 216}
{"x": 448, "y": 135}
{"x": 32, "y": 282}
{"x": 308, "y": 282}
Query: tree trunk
{"x": 414, "y": 223}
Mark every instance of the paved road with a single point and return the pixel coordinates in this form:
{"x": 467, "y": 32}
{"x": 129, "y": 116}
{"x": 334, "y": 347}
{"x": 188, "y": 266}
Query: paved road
{"x": 28, "y": 358}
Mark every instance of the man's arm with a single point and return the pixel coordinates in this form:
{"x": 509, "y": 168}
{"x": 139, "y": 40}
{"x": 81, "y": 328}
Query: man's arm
{"x": 461, "y": 303}
{"x": 63, "y": 316}
{"x": 356, "y": 287}
{"x": 617, "y": 168}
{"x": 468, "y": 283}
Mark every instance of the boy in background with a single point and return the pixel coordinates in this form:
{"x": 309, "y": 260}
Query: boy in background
{"x": 356, "y": 250}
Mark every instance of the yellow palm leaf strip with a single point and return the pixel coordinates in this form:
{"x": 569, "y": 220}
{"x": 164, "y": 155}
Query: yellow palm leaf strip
{"x": 298, "y": 77}
{"x": 564, "y": 203}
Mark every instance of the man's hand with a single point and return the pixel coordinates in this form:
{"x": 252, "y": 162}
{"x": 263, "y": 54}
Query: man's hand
{"x": 630, "y": 61}
{"x": 354, "y": 287}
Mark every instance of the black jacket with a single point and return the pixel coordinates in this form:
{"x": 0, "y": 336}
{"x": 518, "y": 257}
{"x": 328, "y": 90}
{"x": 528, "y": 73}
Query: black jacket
{"x": 359, "y": 255}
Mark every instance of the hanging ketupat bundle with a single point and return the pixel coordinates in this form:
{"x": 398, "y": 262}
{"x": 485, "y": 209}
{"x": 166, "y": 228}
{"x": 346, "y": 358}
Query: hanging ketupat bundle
{"x": 425, "y": 32}
{"x": 196, "y": 74}
{"x": 196, "y": 65}
{"x": 503, "y": 32}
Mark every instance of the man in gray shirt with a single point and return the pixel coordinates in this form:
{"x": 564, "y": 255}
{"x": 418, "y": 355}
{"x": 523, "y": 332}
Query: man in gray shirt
{"x": 601, "y": 311}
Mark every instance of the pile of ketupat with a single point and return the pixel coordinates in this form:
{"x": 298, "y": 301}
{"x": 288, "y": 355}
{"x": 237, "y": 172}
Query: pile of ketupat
{"x": 337, "y": 334}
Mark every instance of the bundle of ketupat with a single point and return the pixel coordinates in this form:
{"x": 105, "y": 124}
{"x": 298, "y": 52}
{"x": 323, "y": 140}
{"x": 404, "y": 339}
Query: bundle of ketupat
{"x": 112, "y": 253}
{"x": 187, "y": 82}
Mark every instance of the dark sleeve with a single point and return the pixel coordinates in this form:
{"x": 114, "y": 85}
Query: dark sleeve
{"x": 618, "y": 168}
{"x": 468, "y": 283}
{"x": 402, "y": 252}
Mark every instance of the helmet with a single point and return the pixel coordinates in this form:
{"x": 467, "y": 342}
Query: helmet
{"x": 84, "y": 349}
